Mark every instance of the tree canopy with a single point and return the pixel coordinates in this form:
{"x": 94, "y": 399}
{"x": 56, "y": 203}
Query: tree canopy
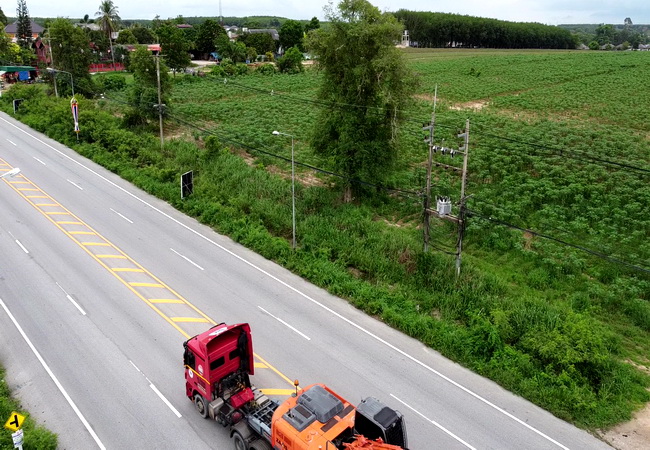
{"x": 143, "y": 34}
{"x": 71, "y": 53}
{"x": 175, "y": 47}
{"x": 291, "y": 34}
{"x": 23, "y": 25}
{"x": 143, "y": 93}
{"x": 206, "y": 36}
{"x": 367, "y": 84}
{"x": 3, "y": 18}
{"x": 431, "y": 29}
{"x": 108, "y": 17}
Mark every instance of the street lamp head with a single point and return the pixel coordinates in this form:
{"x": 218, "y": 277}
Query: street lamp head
{"x": 49, "y": 69}
{"x": 276, "y": 133}
{"x": 12, "y": 173}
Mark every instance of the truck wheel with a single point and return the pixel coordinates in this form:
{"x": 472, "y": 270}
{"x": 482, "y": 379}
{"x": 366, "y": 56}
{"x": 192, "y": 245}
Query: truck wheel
{"x": 201, "y": 405}
{"x": 240, "y": 444}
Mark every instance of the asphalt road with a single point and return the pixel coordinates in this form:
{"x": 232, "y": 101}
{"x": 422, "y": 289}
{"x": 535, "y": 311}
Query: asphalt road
{"x": 100, "y": 284}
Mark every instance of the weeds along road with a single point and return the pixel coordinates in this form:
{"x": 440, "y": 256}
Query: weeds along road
{"x": 100, "y": 284}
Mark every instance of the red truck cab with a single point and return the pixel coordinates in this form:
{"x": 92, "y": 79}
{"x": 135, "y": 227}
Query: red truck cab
{"x": 224, "y": 352}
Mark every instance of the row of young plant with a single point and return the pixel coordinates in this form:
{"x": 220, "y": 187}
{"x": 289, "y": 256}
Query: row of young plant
{"x": 553, "y": 352}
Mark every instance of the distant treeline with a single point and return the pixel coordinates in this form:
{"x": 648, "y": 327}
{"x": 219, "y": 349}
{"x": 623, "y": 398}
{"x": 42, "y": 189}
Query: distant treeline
{"x": 429, "y": 29}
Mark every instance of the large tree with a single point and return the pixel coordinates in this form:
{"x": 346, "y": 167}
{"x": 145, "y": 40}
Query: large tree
{"x": 313, "y": 24}
{"x": 71, "y": 53}
{"x": 23, "y": 25}
{"x": 367, "y": 84}
{"x": 291, "y": 34}
{"x": 108, "y": 19}
{"x": 143, "y": 34}
{"x": 3, "y": 18}
{"x": 262, "y": 42}
{"x": 174, "y": 47}
{"x": 206, "y": 37}
{"x": 143, "y": 94}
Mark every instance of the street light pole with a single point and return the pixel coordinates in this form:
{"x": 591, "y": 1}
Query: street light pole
{"x": 293, "y": 189}
{"x": 55, "y": 71}
{"x": 11, "y": 173}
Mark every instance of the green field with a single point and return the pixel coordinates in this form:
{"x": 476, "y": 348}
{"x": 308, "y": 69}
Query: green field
{"x": 559, "y": 146}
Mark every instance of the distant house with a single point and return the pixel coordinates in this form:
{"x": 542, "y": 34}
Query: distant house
{"x": 273, "y": 32}
{"x": 12, "y": 29}
{"x": 87, "y": 26}
{"x": 644, "y": 47}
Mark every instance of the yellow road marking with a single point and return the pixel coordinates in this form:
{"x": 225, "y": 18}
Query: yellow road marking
{"x": 138, "y": 283}
{"x": 130, "y": 285}
{"x": 278, "y": 391}
{"x": 283, "y": 376}
{"x": 259, "y": 365}
{"x": 189, "y": 319}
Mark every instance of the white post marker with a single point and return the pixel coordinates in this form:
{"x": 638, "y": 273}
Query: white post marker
{"x": 18, "y": 437}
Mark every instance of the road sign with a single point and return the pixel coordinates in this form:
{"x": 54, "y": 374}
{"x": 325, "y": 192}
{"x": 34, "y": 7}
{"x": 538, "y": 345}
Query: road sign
{"x": 18, "y": 439}
{"x": 15, "y": 421}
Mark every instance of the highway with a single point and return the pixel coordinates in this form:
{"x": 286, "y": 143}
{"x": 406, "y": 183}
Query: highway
{"x": 100, "y": 284}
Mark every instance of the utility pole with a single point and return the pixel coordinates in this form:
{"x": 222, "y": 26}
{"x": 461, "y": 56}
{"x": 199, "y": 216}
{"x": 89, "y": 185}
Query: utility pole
{"x": 49, "y": 46}
{"x": 444, "y": 207}
{"x": 461, "y": 223}
{"x": 427, "y": 195}
{"x": 160, "y": 105}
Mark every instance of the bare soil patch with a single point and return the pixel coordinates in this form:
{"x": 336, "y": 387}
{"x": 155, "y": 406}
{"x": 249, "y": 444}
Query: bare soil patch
{"x": 632, "y": 435}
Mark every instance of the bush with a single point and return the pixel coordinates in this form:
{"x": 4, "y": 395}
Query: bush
{"x": 291, "y": 62}
{"x": 267, "y": 69}
{"x": 111, "y": 82}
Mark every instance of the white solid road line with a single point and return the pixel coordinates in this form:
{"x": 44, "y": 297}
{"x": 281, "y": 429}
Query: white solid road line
{"x": 123, "y": 217}
{"x": 285, "y": 323}
{"x": 435, "y": 423}
{"x": 54, "y": 378}
{"x": 187, "y": 259}
{"x": 259, "y": 269}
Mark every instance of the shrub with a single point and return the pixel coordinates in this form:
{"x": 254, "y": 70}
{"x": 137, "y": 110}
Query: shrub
{"x": 111, "y": 82}
{"x": 291, "y": 62}
{"x": 267, "y": 69}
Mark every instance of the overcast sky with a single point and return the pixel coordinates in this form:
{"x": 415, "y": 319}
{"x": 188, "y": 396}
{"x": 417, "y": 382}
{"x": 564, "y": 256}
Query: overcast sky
{"x": 552, "y": 12}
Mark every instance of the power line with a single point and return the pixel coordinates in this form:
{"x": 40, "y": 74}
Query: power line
{"x": 558, "y": 151}
{"x": 568, "y": 244}
{"x": 305, "y": 165}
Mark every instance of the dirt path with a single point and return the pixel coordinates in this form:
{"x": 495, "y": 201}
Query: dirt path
{"x": 632, "y": 435}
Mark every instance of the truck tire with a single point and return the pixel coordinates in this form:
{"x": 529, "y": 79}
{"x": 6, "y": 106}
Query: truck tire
{"x": 201, "y": 405}
{"x": 260, "y": 445}
{"x": 240, "y": 443}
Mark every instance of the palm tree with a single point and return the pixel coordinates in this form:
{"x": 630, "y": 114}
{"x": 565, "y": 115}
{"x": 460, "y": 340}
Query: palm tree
{"x": 108, "y": 20}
